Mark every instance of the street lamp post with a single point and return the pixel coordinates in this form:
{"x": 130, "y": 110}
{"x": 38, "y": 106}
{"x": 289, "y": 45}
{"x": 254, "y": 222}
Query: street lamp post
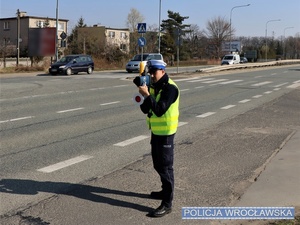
{"x": 18, "y": 36}
{"x": 159, "y": 19}
{"x": 267, "y": 35}
{"x": 284, "y": 57}
{"x": 239, "y": 6}
{"x": 56, "y": 38}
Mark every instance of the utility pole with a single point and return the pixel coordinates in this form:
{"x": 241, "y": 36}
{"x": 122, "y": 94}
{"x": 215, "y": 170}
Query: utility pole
{"x": 230, "y": 34}
{"x": 284, "y": 45}
{"x": 159, "y": 29}
{"x": 266, "y": 53}
{"x": 56, "y": 38}
{"x": 18, "y": 36}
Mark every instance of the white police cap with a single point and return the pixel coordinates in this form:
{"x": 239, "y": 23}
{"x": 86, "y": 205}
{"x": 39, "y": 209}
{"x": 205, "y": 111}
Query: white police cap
{"x": 156, "y": 64}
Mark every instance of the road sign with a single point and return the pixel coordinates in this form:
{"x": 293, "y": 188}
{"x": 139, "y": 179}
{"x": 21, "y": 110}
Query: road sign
{"x": 235, "y": 46}
{"x": 141, "y": 41}
{"x": 63, "y": 35}
{"x": 142, "y": 28}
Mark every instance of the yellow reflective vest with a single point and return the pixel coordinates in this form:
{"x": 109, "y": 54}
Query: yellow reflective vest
{"x": 166, "y": 124}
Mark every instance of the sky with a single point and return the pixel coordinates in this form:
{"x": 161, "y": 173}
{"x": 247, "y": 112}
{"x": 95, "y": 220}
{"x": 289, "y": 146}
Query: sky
{"x": 248, "y": 21}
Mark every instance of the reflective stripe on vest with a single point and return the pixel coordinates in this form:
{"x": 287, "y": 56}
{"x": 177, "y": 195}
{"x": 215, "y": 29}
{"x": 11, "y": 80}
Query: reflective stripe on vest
{"x": 166, "y": 124}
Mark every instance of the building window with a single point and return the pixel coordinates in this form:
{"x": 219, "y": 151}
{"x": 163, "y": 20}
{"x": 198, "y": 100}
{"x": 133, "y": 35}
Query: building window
{"x": 61, "y": 26}
{"x": 40, "y": 24}
{"x": 111, "y": 34}
{"x": 123, "y": 47}
{"x": 6, "y": 25}
{"x": 123, "y": 35}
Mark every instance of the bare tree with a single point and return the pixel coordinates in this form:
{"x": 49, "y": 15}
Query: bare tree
{"x": 151, "y": 37}
{"x": 218, "y": 31}
{"x": 195, "y": 42}
{"x": 134, "y": 17}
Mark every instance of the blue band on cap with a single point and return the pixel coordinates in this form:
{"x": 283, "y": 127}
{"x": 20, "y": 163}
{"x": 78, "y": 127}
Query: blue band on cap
{"x": 156, "y": 64}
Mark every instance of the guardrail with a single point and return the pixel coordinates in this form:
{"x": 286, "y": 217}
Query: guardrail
{"x": 249, "y": 65}
{"x": 12, "y": 62}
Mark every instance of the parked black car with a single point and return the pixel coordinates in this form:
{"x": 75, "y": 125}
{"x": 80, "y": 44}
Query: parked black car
{"x": 72, "y": 64}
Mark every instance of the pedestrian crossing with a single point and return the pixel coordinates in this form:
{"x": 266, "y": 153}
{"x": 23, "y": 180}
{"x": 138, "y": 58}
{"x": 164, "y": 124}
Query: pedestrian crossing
{"x": 254, "y": 83}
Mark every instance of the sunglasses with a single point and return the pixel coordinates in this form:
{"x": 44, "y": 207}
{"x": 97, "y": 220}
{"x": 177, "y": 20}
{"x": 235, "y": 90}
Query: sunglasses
{"x": 153, "y": 71}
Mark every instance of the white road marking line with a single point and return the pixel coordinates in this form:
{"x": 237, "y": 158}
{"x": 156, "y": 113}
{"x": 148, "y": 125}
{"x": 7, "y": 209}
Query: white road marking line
{"x": 295, "y": 85}
{"x": 131, "y": 141}
{"x": 273, "y": 74}
{"x": 63, "y": 164}
{"x": 16, "y": 119}
{"x": 186, "y": 79}
{"x": 245, "y": 100}
{"x": 213, "y": 81}
{"x": 182, "y": 124}
{"x": 95, "y": 89}
{"x": 261, "y": 83}
{"x": 268, "y": 92}
{"x": 200, "y": 80}
{"x": 279, "y": 85}
{"x": 228, "y": 106}
{"x": 276, "y": 89}
{"x": 200, "y": 87}
{"x": 69, "y": 110}
{"x": 21, "y": 118}
{"x": 231, "y": 81}
{"x": 58, "y": 93}
{"x": 184, "y": 90}
{"x": 124, "y": 85}
{"x": 257, "y": 96}
{"x": 297, "y": 81}
{"x": 110, "y": 103}
{"x": 206, "y": 114}
{"x": 244, "y": 83}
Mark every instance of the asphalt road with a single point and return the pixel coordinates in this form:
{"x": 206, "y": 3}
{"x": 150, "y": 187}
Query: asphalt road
{"x": 70, "y": 129}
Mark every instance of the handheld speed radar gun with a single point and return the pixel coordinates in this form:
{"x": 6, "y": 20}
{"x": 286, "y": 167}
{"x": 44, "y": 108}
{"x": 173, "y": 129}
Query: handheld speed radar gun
{"x": 141, "y": 80}
{"x": 144, "y": 78}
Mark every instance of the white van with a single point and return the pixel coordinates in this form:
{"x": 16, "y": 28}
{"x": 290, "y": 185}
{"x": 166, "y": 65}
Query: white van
{"x": 231, "y": 59}
{"x": 134, "y": 64}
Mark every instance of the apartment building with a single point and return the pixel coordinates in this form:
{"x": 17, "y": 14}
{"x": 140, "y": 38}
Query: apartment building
{"x": 9, "y": 31}
{"x": 118, "y": 37}
{"x": 105, "y": 36}
{"x": 100, "y": 35}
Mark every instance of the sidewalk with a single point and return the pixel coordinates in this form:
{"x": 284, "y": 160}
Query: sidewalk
{"x": 278, "y": 185}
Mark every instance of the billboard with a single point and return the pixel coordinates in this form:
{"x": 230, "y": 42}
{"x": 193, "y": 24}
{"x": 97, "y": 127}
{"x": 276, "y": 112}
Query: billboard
{"x": 41, "y": 41}
{"x": 235, "y": 46}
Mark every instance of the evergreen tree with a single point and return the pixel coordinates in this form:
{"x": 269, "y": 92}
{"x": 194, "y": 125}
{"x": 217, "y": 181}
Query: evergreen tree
{"x": 74, "y": 47}
{"x": 173, "y": 31}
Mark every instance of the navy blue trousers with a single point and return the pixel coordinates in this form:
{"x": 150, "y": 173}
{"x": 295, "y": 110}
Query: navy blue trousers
{"x": 162, "y": 150}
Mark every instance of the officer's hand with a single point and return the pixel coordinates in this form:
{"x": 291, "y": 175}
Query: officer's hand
{"x": 144, "y": 90}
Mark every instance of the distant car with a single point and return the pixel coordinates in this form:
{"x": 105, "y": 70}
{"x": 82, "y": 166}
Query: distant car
{"x": 72, "y": 64}
{"x": 244, "y": 60}
{"x": 230, "y": 59}
{"x": 134, "y": 64}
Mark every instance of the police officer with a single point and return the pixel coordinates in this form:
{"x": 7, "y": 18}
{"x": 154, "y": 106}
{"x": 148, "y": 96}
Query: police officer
{"x": 161, "y": 104}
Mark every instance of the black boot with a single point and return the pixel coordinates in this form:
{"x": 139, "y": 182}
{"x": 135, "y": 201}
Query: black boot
{"x": 161, "y": 211}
